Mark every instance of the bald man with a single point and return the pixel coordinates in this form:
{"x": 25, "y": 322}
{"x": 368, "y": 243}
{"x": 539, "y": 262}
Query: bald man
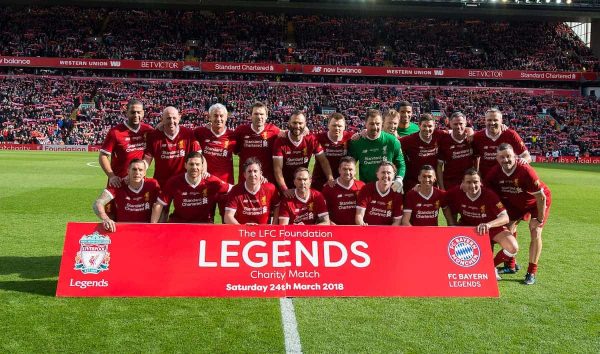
{"x": 170, "y": 146}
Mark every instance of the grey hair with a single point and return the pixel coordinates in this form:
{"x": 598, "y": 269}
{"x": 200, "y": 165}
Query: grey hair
{"x": 216, "y": 107}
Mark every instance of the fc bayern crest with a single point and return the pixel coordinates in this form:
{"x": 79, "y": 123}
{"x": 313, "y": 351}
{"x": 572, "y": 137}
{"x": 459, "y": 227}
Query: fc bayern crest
{"x": 93, "y": 255}
{"x": 464, "y": 251}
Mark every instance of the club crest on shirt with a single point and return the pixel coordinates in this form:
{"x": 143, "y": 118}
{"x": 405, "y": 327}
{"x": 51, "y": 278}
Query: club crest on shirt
{"x": 516, "y": 182}
{"x": 181, "y": 144}
{"x": 464, "y": 251}
{"x": 93, "y": 255}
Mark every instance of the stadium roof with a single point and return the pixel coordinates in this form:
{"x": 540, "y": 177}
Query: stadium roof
{"x": 564, "y": 10}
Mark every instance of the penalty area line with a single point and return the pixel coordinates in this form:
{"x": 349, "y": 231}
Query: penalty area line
{"x": 290, "y": 326}
{"x": 93, "y": 164}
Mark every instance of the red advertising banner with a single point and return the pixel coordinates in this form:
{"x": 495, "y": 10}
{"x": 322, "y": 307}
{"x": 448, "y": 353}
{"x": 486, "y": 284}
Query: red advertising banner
{"x": 20, "y": 147}
{"x": 85, "y": 63}
{"x": 275, "y": 261}
{"x": 262, "y": 68}
{"x": 275, "y": 68}
{"x": 446, "y": 73}
{"x": 569, "y": 159}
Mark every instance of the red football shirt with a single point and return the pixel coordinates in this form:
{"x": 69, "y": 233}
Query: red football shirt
{"x": 295, "y": 155}
{"x": 256, "y": 144}
{"x": 484, "y": 208}
{"x": 169, "y": 152}
{"x": 306, "y": 211}
{"x": 380, "y": 209}
{"x": 342, "y": 202}
{"x": 418, "y": 153}
{"x": 457, "y": 157}
{"x": 218, "y": 151}
{"x": 124, "y": 144}
{"x": 133, "y": 205}
{"x": 193, "y": 203}
{"x": 516, "y": 188}
{"x": 424, "y": 208}
{"x": 252, "y": 207}
{"x": 485, "y": 147}
{"x": 334, "y": 151}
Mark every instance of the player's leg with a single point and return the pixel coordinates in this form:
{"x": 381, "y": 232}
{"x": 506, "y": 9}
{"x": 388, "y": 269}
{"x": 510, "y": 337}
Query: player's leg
{"x": 509, "y": 245}
{"x": 511, "y": 266}
{"x": 535, "y": 245}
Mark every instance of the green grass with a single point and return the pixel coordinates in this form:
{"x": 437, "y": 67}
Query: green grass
{"x": 40, "y": 192}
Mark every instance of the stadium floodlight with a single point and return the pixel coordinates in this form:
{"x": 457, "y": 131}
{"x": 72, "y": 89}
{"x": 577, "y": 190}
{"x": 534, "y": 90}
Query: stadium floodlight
{"x": 547, "y": 1}
{"x": 569, "y": 2}
{"x": 558, "y": 1}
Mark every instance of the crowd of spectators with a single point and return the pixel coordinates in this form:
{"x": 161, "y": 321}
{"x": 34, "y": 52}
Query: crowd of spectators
{"x": 260, "y": 37}
{"x": 80, "y": 111}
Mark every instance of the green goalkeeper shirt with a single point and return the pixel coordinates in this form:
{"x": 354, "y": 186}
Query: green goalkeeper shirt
{"x": 371, "y": 152}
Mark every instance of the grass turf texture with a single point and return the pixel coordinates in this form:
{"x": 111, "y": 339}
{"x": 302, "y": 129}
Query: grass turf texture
{"x": 40, "y": 192}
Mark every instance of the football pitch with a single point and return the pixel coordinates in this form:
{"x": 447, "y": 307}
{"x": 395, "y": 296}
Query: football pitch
{"x": 41, "y": 191}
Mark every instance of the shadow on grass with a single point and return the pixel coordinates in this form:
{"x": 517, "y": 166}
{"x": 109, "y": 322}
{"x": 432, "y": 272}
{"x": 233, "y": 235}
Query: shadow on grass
{"x": 37, "y": 287}
{"x": 30, "y": 268}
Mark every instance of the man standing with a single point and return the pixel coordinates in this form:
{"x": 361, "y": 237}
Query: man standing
{"x": 192, "y": 193}
{"x": 170, "y": 147}
{"x": 251, "y": 202}
{"x": 294, "y": 151}
{"x": 455, "y": 154}
{"x": 256, "y": 140}
{"x": 522, "y": 192}
{"x": 422, "y": 205}
{"x": 377, "y": 204}
{"x": 377, "y": 146}
{"x": 218, "y": 144}
{"x": 342, "y": 197}
{"x": 335, "y": 146}
{"x": 405, "y": 126}
{"x": 480, "y": 207}
{"x": 306, "y": 206}
{"x": 132, "y": 201}
{"x": 486, "y": 142}
{"x": 420, "y": 149}
{"x": 123, "y": 143}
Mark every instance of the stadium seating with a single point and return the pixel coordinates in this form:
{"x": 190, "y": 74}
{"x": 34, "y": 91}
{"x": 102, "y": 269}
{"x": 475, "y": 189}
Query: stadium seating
{"x": 256, "y": 37}
{"x": 80, "y": 111}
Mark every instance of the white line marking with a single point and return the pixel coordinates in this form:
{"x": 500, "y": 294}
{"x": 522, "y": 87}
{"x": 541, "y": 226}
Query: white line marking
{"x": 93, "y": 164}
{"x": 290, "y": 326}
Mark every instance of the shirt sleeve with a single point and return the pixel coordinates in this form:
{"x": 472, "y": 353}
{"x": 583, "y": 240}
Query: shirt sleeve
{"x": 362, "y": 199}
{"x": 397, "y": 213}
{"x": 109, "y": 143}
{"x": 399, "y": 158}
{"x": 320, "y": 205}
{"x": 277, "y": 150}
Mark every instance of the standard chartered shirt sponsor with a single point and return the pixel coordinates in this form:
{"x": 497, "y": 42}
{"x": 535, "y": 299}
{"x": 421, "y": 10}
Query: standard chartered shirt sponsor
{"x": 137, "y": 207}
{"x": 166, "y": 155}
{"x": 186, "y": 202}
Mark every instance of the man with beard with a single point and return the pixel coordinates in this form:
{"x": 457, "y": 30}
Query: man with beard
{"x": 295, "y": 150}
{"x": 377, "y": 146}
{"x": 405, "y": 126}
{"x": 523, "y": 193}
{"x": 123, "y": 143}
{"x": 486, "y": 142}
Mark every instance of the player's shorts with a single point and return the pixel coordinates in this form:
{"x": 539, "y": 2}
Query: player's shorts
{"x": 515, "y": 213}
{"x": 496, "y": 230}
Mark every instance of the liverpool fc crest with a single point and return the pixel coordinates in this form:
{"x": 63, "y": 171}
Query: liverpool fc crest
{"x": 93, "y": 255}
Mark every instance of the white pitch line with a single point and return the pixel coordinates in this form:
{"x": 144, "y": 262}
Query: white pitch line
{"x": 93, "y": 164}
{"x": 290, "y": 326}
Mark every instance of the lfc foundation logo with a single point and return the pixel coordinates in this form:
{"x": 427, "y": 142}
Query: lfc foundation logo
{"x": 93, "y": 255}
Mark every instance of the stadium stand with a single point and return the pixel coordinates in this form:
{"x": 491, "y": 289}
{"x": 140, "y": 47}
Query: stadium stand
{"x": 81, "y": 110}
{"x": 255, "y": 37}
